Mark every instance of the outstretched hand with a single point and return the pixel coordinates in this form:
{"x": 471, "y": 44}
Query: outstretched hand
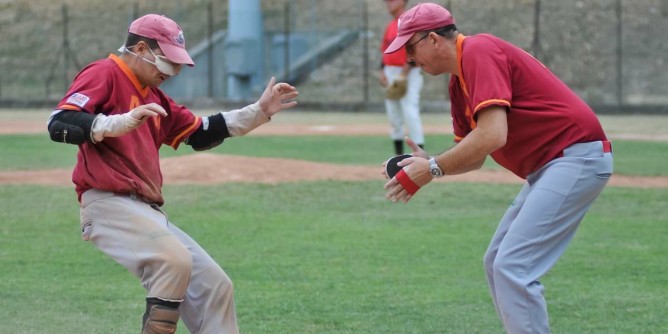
{"x": 277, "y": 97}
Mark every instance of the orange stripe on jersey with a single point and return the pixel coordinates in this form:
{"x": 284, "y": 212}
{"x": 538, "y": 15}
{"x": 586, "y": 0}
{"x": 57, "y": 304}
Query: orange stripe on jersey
{"x": 69, "y": 107}
{"x": 462, "y": 83}
{"x": 128, "y": 72}
{"x": 472, "y": 121}
{"x": 134, "y": 102}
{"x": 486, "y": 103}
{"x": 177, "y": 140}
{"x": 156, "y": 122}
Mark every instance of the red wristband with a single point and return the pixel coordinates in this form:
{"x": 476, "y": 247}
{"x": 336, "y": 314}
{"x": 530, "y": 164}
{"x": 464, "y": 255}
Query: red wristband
{"x": 406, "y": 182}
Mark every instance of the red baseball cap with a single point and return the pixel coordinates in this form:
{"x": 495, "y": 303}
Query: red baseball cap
{"x": 167, "y": 33}
{"x": 422, "y": 17}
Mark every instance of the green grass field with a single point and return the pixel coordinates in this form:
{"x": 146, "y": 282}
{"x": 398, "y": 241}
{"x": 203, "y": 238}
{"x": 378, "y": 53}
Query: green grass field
{"x": 335, "y": 257}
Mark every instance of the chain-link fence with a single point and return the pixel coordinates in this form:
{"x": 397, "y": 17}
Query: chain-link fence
{"x": 611, "y": 52}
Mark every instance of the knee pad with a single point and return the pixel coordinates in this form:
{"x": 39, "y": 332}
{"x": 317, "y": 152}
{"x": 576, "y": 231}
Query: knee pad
{"x": 160, "y": 319}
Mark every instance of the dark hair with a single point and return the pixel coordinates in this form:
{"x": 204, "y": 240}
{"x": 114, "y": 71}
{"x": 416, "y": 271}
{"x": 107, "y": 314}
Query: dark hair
{"x": 447, "y": 31}
{"x": 134, "y": 39}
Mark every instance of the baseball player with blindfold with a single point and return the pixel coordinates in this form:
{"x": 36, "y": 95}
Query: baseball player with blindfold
{"x": 506, "y": 104}
{"x": 119, "y": 118}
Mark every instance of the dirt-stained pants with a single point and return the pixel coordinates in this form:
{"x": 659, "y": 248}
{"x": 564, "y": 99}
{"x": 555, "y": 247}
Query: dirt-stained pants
{"x": 170, "y": 264}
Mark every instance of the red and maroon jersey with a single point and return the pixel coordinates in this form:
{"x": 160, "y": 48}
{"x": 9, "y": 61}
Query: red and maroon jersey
{"x": 544, "y": 115}
{"x": 128, "y": 164}
{"x": 398, "y": 58}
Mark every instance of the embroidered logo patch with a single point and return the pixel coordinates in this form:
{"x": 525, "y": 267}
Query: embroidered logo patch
{"x": 180, "y": 39}
{"x": 78, "y": 99}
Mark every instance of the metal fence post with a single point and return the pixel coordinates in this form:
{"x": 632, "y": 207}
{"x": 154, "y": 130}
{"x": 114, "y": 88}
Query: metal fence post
{"x": 620, "y": 54}
{"x": 365, "y": 51}
{"x": 65, "y": 46}
{"x": 210, "y": 50}
{"x": 535, "y": 47}
{"x": 286, "y": 48}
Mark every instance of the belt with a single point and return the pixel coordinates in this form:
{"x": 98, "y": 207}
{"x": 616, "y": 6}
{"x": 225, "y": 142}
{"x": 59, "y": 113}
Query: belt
{"x": 136, "y": 197}
{"x": 607, "y": 147}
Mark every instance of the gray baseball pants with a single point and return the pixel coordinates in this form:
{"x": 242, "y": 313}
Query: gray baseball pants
{"x": 170, "y": 264}
{"x": 536, "y": 230}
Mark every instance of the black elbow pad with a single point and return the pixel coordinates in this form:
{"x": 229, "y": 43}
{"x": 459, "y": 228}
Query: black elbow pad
{"x": 66, "y": 133}
{"x": 71, "y": 127}
{"x": 214, "y": 135}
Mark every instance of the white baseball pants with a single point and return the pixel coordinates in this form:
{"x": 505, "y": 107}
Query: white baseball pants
{"x": 407, "y": 109}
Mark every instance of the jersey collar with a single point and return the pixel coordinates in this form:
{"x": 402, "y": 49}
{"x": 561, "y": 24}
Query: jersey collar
{"x": 460, "y": 45}
{"x": 128, "y": 72}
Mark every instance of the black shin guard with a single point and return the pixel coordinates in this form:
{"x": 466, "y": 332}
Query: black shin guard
{"x": 160, "y": 316}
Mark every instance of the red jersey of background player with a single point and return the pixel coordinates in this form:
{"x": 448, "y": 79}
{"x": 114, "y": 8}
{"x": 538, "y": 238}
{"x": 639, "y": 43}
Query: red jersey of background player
{"x": 109, "y": 87}
{"x": 397, "y": 58}
{"x": 495, "y": 72}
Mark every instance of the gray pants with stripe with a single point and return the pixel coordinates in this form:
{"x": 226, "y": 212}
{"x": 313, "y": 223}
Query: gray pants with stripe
{"x": 170, "y": 264}
{"x": 536, "y": 230}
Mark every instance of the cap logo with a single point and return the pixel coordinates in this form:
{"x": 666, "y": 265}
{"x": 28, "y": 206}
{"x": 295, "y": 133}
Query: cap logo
{"x": 179, "y": 39}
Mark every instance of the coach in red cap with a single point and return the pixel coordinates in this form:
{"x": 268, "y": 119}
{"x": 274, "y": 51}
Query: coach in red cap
{"x": 119, "y": 118}
{"x": 506, "y": 104}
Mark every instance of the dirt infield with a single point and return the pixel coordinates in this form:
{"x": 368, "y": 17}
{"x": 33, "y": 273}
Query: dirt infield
{"x": 207, "y": 168}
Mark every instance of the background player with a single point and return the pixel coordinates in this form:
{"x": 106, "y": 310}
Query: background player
{"x": 508, "y": 105}
{"x": 396, "y": 70}
{"x": 119, "y": 117}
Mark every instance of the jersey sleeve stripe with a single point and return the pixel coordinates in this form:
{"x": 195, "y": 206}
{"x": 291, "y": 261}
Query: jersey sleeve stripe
{"x": 179, "y": 138}
{"x": 69, "y": 107}
{"x": 490, "y": 102}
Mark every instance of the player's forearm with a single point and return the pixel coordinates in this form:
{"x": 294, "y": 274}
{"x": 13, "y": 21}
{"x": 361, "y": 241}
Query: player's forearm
{"x": 216, "y": 128}
{"x": 489, "y": 135}
{"x": 244, "y": 120}
{"x": 462, "y": 168}
{"x": 460, "y": 159}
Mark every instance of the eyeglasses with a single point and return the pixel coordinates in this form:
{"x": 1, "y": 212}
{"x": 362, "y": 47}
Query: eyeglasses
{"x": 409, "y": 47}
{"x": 161, "y": 62}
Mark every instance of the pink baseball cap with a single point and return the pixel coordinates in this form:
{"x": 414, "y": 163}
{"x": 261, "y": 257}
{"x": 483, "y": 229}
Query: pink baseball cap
{"x": 167, "y": 33}
{"x": 422, "y": 17}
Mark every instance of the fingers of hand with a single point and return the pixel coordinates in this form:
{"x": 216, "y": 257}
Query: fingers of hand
{"x": 283, "y": 88}
{"x": 289, "y": 95}
{"x": 396, "y": 193}
{"x": 405, "y": 162}
{"x": 148, "y": 110}
{"x": 271, "y": 84}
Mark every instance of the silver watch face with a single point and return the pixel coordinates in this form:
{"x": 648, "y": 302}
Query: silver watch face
{"x": 434, "y": 169}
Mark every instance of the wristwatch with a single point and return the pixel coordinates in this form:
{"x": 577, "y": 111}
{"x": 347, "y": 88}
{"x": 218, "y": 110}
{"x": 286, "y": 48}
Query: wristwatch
{"x": 434, "y": 169}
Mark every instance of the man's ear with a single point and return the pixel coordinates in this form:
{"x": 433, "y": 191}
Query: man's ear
{"x": 141, "y": 47}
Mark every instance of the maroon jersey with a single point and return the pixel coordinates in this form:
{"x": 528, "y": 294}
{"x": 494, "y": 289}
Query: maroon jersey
{"x": 128, "y": 164}
{"x": 544, "y": 115}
